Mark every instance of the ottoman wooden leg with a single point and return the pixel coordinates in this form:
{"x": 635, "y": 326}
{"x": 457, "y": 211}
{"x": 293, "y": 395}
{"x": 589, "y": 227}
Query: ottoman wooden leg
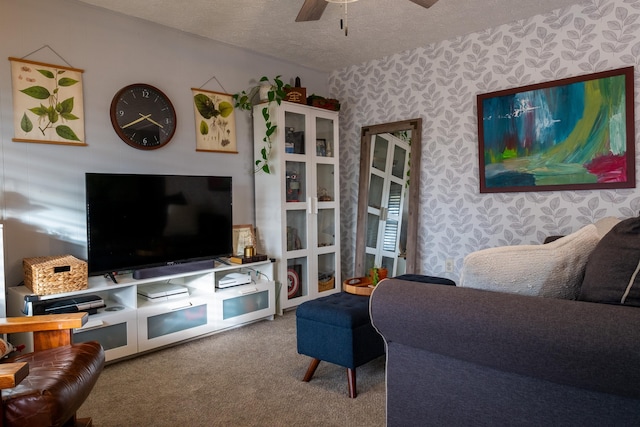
{"x": 311, "y": 370}
{"x": 351, "y": 379}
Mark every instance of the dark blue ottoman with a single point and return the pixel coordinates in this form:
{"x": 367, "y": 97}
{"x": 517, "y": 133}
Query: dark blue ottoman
{"x": 337, "y": 329}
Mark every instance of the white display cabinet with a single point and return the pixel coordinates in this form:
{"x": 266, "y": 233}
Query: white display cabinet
{"x": 297, "y": 204}
{"x": 131, "y": 324}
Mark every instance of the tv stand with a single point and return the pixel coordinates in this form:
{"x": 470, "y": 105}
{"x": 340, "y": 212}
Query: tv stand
{"x": 132, "y": 323}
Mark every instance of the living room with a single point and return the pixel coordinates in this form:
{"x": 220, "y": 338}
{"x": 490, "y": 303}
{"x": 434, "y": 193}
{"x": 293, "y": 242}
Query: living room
{"x": 43, "y": 184}
{"x": 43, "y": 188}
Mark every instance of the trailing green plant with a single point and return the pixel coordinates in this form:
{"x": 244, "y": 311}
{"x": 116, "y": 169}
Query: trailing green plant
{"x": 244, "y": 101}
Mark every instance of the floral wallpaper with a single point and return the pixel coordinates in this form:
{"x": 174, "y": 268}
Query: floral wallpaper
{"x": 439, "y": 83}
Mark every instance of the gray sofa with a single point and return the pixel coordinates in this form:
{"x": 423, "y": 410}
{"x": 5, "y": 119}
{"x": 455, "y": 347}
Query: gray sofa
{"x": 461, "y": 356}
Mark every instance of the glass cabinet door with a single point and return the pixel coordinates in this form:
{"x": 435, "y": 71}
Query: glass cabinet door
{"x": 325, "y": 144}
{"x": 295, "y": 128}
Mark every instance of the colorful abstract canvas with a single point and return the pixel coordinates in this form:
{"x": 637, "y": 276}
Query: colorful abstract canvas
{"x": 571, "y": 134}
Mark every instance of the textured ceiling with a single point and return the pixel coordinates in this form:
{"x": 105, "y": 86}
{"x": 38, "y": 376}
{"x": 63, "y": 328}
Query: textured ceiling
{"x": 376, "y": 27}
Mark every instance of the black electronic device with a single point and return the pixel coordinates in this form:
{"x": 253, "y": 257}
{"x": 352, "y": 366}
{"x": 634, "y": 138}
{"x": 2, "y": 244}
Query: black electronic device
{"x": 163, "y": 222}
{"x": 86, "y": 303}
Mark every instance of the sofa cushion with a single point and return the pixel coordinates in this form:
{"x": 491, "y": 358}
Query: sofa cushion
{"x": 554, "y": 270}
{"x": 611, "y": 274}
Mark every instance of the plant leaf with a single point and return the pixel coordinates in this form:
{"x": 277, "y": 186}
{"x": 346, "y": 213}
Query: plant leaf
{"x": 25, "y": 123}
{"x": 39, "y": 111}
{"x": 66, "y": 106}
{"x": 69, "y": 116}
{"x": 205, "y": 106}
{"x": 37, "y": 92}
{"x": 48, "y": 74}
{"x": 66, "y": 81}
{"x": 53, "y": 114}
{"x": 204, "y": 128}
{"x": 265, "y": 168}
{"x": 65, "y": 132}
{"x": 225, "y": 109}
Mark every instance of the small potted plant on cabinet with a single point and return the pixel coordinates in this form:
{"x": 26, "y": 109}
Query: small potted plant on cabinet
{"x": 268, "y": 91}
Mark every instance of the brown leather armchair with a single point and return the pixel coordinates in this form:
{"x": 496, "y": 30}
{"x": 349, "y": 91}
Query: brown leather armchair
{"x": 48, "y": 386}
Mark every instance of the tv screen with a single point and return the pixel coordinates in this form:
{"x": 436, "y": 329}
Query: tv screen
{"x": 139, "y": 221}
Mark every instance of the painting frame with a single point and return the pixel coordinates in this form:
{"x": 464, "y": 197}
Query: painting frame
{"x": 533, "y": 138}
{"x": 215, "y": 122}
{"x": 47, "y": 98}
{"x": 243, "y": 235}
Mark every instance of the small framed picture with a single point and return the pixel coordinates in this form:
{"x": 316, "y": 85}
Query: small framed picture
{"x": 321, "y": 147}
{"x": 243, "y": 236}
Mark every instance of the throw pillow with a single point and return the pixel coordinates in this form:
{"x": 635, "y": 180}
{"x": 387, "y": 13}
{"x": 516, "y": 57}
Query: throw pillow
{"x": 611, "y": 275}
{"x": 554, "y": 270}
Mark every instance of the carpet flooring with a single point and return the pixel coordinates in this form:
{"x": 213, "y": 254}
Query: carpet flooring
{"x": 248, "y": 376}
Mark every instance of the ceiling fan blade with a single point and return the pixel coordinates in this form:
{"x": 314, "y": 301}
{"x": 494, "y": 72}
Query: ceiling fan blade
{"x": 311, "y": 10}
{"x": 425, "y": 3}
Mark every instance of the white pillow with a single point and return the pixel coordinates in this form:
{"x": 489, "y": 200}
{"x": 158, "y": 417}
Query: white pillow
{"x": 554, "y": 270}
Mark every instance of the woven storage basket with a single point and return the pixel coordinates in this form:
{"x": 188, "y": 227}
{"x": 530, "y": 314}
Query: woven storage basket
{"x": 326, "y": 285}
{"x": 54, "y": 274}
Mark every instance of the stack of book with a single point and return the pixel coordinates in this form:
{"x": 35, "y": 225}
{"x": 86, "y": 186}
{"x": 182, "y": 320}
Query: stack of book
{"x": 247, "y": 260}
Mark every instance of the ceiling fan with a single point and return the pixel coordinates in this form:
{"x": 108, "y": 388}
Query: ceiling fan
{"x": 312, "y": 9}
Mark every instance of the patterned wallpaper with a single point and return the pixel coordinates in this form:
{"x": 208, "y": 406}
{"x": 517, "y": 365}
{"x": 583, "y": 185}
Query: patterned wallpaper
{"x": 439, "y": 83}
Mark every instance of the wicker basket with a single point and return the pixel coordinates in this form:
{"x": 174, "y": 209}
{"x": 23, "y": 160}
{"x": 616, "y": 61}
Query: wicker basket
{"x": 54, "y": 274}
{"x": 326, "y": 285}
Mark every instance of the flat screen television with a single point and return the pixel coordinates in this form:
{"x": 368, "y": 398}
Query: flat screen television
{"x": 148, "y": 222}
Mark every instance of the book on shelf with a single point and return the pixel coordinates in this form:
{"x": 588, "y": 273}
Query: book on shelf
{"x": 247, "y": 260}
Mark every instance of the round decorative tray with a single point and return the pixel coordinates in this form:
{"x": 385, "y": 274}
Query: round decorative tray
{"x": 358, "y": 286}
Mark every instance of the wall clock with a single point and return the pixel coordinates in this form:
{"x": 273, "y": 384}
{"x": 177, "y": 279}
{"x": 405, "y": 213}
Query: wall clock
{"x": 143, "y": 116}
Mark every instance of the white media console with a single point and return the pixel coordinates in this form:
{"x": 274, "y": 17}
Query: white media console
{"x": 146, "y": 314}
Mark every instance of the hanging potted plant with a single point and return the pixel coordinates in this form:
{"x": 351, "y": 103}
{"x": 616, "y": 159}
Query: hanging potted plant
{"x": 268, "y": 91}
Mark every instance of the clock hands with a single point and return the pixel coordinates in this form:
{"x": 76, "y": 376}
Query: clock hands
{"x": 143, "y": 117}
{"x": 136, "y": 121}
{"x": 152, "y": 121}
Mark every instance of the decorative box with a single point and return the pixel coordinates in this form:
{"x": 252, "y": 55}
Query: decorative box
{"x": 321, "y": 102}
{"x": 55, "y": 274}
{"x": 296, "y": 94}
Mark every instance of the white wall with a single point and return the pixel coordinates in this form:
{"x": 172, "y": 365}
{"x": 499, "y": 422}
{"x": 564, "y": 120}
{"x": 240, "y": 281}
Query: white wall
{"x": 439, "y": 83}
{"x": 42, "y": 186}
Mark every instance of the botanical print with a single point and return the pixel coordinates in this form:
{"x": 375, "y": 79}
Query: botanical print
{"x": 47, "y": 103}
{"x": 215, "y": 121}
{"x": 574, "y": 133}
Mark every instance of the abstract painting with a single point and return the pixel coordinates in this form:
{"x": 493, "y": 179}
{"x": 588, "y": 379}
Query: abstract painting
{"x": 570, "y": 134}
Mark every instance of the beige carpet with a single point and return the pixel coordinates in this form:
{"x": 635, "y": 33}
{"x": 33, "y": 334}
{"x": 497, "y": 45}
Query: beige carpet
{"x": 249, "y": 376}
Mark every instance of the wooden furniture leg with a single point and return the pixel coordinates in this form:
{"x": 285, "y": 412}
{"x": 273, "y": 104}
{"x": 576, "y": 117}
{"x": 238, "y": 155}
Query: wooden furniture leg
{"x": 311, "y": 370}
{"x": 351, "y": 379}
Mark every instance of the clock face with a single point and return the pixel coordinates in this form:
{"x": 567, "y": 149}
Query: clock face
{"x": 143, "y": 116}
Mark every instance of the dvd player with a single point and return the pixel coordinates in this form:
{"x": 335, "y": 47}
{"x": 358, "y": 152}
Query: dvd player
{"x": 85, "y": 303}
{"x": 233, "y": 279}
{"x": 162, "y": 292}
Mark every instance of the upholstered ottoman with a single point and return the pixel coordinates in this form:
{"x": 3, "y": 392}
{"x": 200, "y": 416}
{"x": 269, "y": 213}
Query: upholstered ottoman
{"x": 337, "y": 329}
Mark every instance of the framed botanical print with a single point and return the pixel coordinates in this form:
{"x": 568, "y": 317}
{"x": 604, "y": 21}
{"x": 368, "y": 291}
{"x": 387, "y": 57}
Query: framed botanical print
{"x": 215, "y": 121}
{"x": 48, "y": 105}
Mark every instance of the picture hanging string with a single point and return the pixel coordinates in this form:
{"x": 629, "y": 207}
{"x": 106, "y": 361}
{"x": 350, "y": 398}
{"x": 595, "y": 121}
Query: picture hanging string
{"x": 51, "y": 49}
{"x": 217, "y": 81}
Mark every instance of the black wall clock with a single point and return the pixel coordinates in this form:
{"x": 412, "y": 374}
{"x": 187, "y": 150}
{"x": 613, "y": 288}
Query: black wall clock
{"x": 143, "y": 116}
